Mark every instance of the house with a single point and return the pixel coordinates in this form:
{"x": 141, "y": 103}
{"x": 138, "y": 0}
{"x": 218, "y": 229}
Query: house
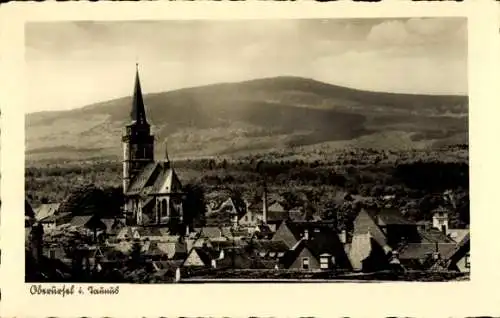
{"x": 150, "y": 233}
{"x": 440, "y": 219}
{"x": 233, "y": 206}
{"x": 308, "y": 242}
{"x": 153, "y": 192}
{"x": 268, "y": 254}
{"x": 128, "y": 233}
{"x": 251, "y": 218}
{"x": 262, "y": 231}
{"x": 232, "y": 233}
{"x": 396, "y": 227}
{"x": 113, "y": 226}
{"x": 211, "y": 233}
{"x": 423, "y": 256}
{"x": 45, "y": 210}
{"x": 173, "y": 250}
{"x": 458, "y": 235}
{"x": 88, "y": 222}
{"x": 368, "y": 249}
{"x": 275, "y": 215}
{"x": 51, "y": 222}
{"x": 233, "y": 258}
{"x": 201, "y": 257}
{"x": 54, "y": 251}
{"x": 460, "y": 258}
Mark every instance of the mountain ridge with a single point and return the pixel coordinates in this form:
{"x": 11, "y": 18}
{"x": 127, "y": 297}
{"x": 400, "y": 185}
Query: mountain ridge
{"x": 269, "y": 113}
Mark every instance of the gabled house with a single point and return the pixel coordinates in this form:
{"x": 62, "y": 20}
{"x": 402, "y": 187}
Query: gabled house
{"x": 45, "y": 210}
{"x": 128, "y": 233}
{"x": 397, "y": 228}
{"x": 423, "y": 256}
{"x": 440, "y": 219}
{"x": 211, "y": 233}
{"x": 458, "y": 235}
{"x": 268, "y": 254}
{"x": 233, "y": 206}
{"x": 53, "y": 221}
{"x": 309, "y": 243}
{"x": 113, "y": 226}
{"x": 369, "y": 250}
{"x": 201, "y": 257}
{"x": 150, "y": 233}
{"x": 173, "y": 250}
{"x": 459, "y": 260}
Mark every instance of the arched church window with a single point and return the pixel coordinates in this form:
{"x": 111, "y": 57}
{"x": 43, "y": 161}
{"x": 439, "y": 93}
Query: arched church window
{"x": 164, "y": 207}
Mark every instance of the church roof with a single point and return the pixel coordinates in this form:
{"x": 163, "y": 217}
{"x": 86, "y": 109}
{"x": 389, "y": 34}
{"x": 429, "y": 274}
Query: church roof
{"x": 156, "y": 177}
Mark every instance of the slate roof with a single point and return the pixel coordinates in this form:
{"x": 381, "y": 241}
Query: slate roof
{"x": 149, "y": 231}
{"x": 424, "y": 250}
{"x": 206, "y": 254}
{"x": 236, "y": 205}
{"x": 458, "y": 235}
{"x": 45, "y": 210}
{"x": 80, "y": 221}
{"x": 433, "y": 235}
{"x": 235, "y": 258}
{"x": 172, "y": 249}
{"x": 54, "y": 217}
{"x": 153, "y": 178}
{"x": 460, "y": 250}
{"x": 364, "y": 224}
{"x": 211, "y": 232}
{"x": 392, "y": 216}
{"x": 269, "y": 246}
{"x": 113, "y": 225}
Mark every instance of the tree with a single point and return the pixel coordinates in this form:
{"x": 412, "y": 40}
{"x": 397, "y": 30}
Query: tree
{"x": 194, "y": 205}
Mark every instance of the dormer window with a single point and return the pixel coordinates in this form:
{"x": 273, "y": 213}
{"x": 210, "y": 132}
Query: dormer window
{"x": 262, "y": 254}
{"x": 272, "y": 254}
{"x": 281, "y": 254}
{"x": 305, "y": 263}
{"x": 325, "y": 261}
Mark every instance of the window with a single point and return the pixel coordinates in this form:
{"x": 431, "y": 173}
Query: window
{"x": 52, "y": 253}
{"x": 305, "y": 263}
{"x": 467, "y": 261}
{"x": 324, "y": 262}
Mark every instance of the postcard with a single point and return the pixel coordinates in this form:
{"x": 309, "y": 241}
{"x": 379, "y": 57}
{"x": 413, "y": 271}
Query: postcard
{"x": 255, "y": 159}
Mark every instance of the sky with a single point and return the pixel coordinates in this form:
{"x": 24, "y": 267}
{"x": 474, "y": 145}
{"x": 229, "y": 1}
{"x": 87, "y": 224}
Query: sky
{"x": 73, "y": 64}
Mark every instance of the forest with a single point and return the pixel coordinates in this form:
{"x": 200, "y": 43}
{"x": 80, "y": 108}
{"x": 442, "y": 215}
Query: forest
{"x": 416, "y": 181}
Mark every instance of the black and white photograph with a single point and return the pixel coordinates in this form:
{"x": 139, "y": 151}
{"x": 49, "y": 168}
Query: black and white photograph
{"x": 247, "y": 151}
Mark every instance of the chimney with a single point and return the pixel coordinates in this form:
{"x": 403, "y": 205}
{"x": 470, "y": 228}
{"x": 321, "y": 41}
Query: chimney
{"x": 264, "y": 206}
{"x": 235, "y": 221}
{"x": 343, "y": 237}
{"x": 435, "y": 255}
{"x": 306, "y": 234}
{"x": 187, "y": 230}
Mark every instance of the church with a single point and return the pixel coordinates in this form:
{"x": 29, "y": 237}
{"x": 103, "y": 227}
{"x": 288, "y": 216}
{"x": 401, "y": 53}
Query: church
{"x": 152, "y": 190}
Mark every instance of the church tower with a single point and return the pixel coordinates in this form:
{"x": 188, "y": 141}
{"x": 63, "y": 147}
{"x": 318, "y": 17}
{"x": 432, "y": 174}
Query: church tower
{"x": 137, "y": 140}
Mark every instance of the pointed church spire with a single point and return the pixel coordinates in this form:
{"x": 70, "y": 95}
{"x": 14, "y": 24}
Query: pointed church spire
{"x": 138, "y": 113}
{"x": 166, "y": 160}
{"x": 166, "y": 152}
